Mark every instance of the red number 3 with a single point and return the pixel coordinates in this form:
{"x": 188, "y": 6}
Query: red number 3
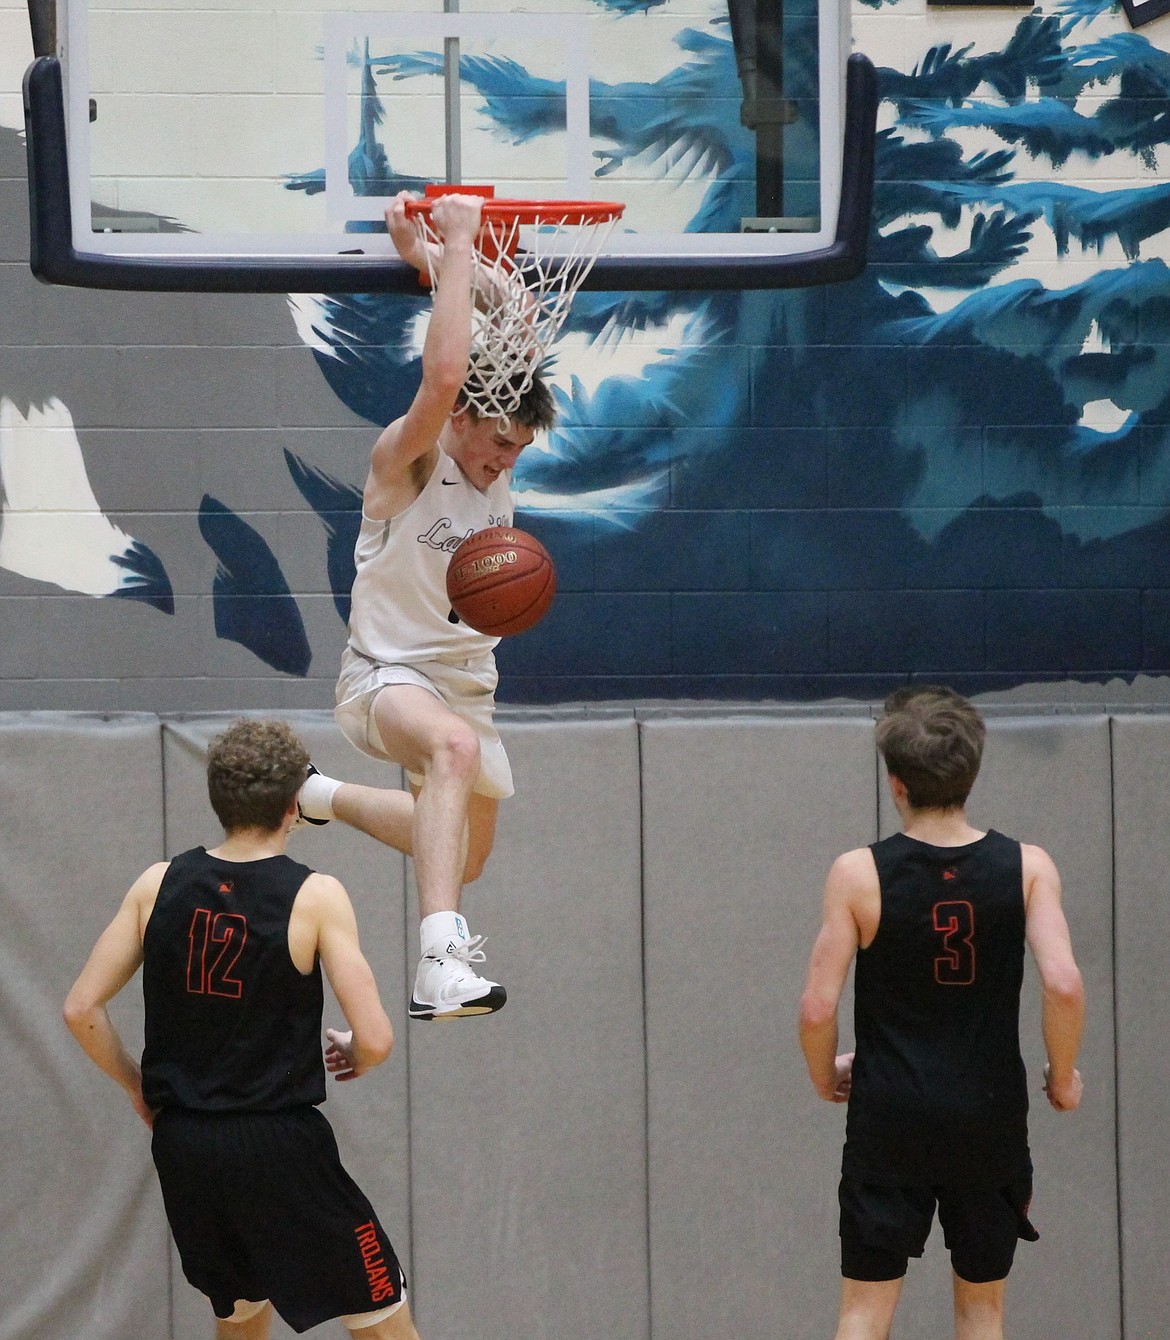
{"x": 955, "y": 922}
{"x": 228, "y": 930}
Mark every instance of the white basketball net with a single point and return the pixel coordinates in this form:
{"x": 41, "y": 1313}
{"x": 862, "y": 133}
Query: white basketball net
{"x": 523, "y": 283}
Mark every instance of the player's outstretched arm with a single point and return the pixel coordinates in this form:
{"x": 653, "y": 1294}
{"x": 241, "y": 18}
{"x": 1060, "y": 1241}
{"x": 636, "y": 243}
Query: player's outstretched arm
{"x": 1063, "y": 1011}
{"x": 114, "y": 960}
{"x": 446, "y": 349}
{"x": 368, "y": 1040}
{"x": 836, "y": 944}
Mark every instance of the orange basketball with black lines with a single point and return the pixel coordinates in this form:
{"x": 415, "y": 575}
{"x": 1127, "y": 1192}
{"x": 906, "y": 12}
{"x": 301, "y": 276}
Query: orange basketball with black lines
{"x": 501, "y": 581}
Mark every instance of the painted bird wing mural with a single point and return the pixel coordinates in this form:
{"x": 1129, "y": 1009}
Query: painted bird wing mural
{"x": 753, "y": 398}
{"x": 638, "y": 355}
{"x": 51, "y": 526}
{"x": 895, "y": 451}
{"x": 339, "y": 505}
{"x": 253, "y": 603}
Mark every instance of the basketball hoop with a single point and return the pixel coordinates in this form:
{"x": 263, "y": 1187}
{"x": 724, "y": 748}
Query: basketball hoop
{"x": 531, "y": 258}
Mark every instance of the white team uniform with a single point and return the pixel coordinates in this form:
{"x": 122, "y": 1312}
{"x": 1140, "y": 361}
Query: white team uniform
{"x": 400, "y": 626}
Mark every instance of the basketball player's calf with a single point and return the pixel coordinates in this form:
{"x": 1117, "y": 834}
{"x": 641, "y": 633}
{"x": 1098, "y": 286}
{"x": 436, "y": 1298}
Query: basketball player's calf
{"x": 446, "y": 826}
{"x": 256, "y": 1325}
{"x": 387, "y": 815}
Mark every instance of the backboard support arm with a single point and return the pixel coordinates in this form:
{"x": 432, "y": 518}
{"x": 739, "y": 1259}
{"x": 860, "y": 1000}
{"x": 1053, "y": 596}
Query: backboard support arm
{"x": 42, "y": 16}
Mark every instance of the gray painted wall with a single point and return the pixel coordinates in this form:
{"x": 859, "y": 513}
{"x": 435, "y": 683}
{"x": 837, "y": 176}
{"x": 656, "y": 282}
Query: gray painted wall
{"x": 956, "y": 465}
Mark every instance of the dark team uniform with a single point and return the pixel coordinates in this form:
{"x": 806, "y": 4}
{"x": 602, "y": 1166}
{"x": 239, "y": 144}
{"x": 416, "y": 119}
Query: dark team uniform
{"x": 938, "y": 1108}
{"x": 257, "y": 1199}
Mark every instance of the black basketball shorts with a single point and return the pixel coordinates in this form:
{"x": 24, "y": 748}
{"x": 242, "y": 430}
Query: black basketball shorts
{"x": 260, "y": 1207}
{"x": 883, "y": 1226}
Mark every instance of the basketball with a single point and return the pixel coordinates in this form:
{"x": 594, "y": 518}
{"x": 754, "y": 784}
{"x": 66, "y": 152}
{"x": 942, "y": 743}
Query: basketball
{"x": 501, "y": 581}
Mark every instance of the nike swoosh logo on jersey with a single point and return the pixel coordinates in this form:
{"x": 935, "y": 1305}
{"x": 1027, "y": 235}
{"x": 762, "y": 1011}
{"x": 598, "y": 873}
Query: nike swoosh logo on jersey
{"x": 450, "y": 481}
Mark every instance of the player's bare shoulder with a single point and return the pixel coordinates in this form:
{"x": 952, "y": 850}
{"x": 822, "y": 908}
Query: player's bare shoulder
{"x": 397, "y": 474}
{"x": 1038, "y": 871}
{"x": 1035, "y": 859}
{"x": 320, "y": 907}
{"x": 853, "y": 893}
{"x": 143, "y": 892}
{"x": 320, "y": 891}
{"x": 854, "y": 871}
{"x": 152, "y": 876}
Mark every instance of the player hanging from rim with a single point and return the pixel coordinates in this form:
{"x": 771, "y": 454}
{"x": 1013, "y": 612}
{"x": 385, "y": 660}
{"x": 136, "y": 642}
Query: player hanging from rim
{"x": 937, "y": 917}
{"x": 417, "y": 686}
{"x": 231, "y": 943}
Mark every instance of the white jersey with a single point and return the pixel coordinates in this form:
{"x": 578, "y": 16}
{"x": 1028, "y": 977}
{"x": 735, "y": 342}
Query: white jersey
{"x": 400, "y": 614}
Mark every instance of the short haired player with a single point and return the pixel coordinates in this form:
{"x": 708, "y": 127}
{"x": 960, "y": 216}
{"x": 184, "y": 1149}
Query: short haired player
{"x": 417, "y": 685}
{"x": 231, "y": 943}
{"x": 936, "y": 919}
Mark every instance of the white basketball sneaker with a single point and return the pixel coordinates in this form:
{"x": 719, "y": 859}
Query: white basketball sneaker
{"x": 303, "y": 819}
{"x": 447, "y": 987}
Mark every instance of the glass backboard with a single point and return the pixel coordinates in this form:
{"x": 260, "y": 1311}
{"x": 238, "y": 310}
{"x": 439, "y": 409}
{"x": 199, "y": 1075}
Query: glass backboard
{"x": 257, "y": 141}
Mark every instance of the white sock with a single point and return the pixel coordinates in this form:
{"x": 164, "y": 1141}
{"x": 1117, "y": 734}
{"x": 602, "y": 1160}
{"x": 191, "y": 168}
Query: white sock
{"x": 439, "y": 930}
{"x": 316, "y": 796}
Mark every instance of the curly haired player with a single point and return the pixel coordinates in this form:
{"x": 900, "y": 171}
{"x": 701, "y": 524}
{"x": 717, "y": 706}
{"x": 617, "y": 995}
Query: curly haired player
{"x": 231, "y": 943}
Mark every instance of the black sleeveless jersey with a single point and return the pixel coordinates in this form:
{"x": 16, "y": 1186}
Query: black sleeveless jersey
{"x": 231, "y": 1024}
{"x": 939, "y": 1093}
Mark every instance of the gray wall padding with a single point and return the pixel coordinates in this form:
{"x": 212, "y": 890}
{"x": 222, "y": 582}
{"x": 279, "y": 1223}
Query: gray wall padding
{"x": 1141, "y": 807}
{"x": 85, "y": 1241}
{"x": 741, "y": 819}
{"x": 528, "y": 1128}
{"x": 631, "y": 1148}
{"x": 1048, "y": 781}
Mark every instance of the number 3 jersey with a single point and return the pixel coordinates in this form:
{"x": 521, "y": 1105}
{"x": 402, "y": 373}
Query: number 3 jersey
{"x": 231, "y": 1024}
{"x": 939, "y": 1091}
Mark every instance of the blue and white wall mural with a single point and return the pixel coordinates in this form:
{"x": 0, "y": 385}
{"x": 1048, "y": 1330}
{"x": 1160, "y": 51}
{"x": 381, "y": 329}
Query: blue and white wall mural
{"x": 956, "y": 466}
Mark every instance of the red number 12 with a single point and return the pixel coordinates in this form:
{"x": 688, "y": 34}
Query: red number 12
{"x": 228, "y": 930}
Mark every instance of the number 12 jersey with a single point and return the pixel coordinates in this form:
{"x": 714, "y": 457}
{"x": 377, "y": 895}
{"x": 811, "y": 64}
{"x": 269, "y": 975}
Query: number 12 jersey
{"x": 231, "y": 1024}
